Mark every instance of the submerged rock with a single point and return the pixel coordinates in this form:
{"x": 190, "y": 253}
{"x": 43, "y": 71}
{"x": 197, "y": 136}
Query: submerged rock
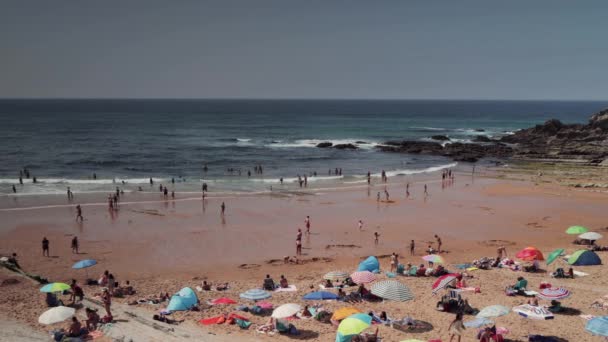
{"x": 345, "y": 146}
{"x": 325, "y": 144}
{"x": 440, "y": 137}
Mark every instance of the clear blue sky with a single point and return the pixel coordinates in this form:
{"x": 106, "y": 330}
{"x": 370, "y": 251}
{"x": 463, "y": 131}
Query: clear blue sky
{"x": 541, "y": 49}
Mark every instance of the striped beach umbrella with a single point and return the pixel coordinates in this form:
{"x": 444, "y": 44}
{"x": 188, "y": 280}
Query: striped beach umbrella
{"x": 576, "y": 230}
{"x": 55, "y": 287}
{"x": 286, "y": 310}
{"x": 352, "y": 325}
{"x": 493, "y": 311}
{"x": 392, "y": 290}
{"x": 362, "y": 277}
{"x": 554, "y": 293}
{"x": 255, "y": 294}
{"x": 335, "y": 275}
{"x": 443, "y": 281}
{"x": 434, "y": 258}
{"x": 598, "y": 326}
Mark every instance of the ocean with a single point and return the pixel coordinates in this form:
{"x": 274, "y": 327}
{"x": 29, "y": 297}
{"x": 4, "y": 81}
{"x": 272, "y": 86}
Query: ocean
{"x": 64, "y": 142}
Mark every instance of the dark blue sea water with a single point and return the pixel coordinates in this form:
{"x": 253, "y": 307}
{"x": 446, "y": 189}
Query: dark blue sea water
{"x": 63, "y": 142}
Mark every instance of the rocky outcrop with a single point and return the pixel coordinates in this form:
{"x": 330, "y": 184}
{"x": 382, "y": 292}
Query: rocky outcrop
{"x": 345, "y": 146}
{"x": 599, "y": 120}
{"x": 325, "y": 144}
{"x": 440, "y": 137}
{"x": 483, "y": 139}
{"x": 456, "y": 151}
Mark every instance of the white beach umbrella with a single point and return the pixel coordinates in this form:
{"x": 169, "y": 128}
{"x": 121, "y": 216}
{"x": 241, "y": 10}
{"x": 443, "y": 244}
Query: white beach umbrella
{"x": 590, "y": 236}
{"x": 286, "y": 310}
{"x": 56, "y": 315}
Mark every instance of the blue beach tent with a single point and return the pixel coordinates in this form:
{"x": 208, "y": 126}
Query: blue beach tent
{"x": 370, "y": 264}
{"x": 185, "y": 299}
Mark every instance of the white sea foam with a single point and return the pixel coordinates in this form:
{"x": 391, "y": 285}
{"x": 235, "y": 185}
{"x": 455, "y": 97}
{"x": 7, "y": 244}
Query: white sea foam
{"x": 406, "y": 172}
{"x": 315, "y": 142}
{"x": 42, "y": 181}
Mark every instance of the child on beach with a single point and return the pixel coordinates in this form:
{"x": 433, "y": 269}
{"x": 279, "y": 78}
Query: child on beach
{"x": 456, "y": 327}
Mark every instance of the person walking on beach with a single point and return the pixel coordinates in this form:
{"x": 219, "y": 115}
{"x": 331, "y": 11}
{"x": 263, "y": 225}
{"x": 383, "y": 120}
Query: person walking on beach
{"x": 307, "y": 222}
{"x": 369, "y": 178}
{"x": 79, "y": 213}
{"x": 151, "y": 181}
{"x": 70, "y": 195}
{"x": 360, "y": 225}
{"x": 386, "y": 194}
{"x": 378, "y": 197}
{"x": 21, "y": 180}
{"x": 426, "y": 193}
{"x": 456, "y": 327}
{"x": 407, "y": 190}
{"x": 438, "y": 243}
{"x": 75, "y": 245}
{"x": 223, "y": 208}
{"x": 45, "y": 247}
{"x": 14, "y": 189}
{"x": 376, "y": 236}
{"x": 412, "y": 247}
{"x": 299, "y": 243}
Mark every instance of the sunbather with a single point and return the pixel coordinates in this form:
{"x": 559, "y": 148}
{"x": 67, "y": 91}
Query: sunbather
{"x": 306, "y": 312}
{"x": 328, "y": 284}
{"x": 421, "y": 271}
{"x": 555, "y": 307}
{"x": 206, "y": 287}
{"x": 74, "y": 328}
{"x": 283, "y": 282}
{"x": 268, "y": 284}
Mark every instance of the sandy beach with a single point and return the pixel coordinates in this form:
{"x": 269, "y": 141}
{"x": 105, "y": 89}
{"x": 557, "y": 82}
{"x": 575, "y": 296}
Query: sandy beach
{"x": 164, "y": 245}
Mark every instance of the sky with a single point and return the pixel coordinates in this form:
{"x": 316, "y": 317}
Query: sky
{"x": 542, "y": 49}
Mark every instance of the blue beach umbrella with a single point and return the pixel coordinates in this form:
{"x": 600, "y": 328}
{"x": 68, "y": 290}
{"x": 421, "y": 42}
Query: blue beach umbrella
{"x": 320, "y": 295}
{"x": 598, "y": 326}
{"x": 255, "y": 294}
{"x": 84, "y": 264}
{"x": 185, "y": 299}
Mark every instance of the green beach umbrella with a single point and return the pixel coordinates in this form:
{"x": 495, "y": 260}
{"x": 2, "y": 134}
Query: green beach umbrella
{"x": 576, "y": 230}
{"x": 352, "y": 325}
{"x": 55, "y": 287}
{"x": 554, "y": 255}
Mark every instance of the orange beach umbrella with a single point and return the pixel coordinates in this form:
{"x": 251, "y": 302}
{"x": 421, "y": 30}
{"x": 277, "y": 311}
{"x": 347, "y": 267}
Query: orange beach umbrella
{"x": 530, "y": 254}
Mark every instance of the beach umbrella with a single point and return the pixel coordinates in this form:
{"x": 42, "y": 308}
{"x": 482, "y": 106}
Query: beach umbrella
{"x": 392, "y": 290}
{"x": 576, "y": 230}
{"x": 443, "y": 281}
{"x": 533, "y": 312}
{"x": 362, "y": 277}
{"x": 478, "y": 322}
{"x": 222, "y": 301}
{"x": 352, "y": 325}
{"x": 85, "y": 264}
{"x": 554, "y": 255}
{"x": 184, "y": 300}
{"x": 286, "y": 310}
{"x": 56, "y": 315}
{"x": 335, "y": 275}
{"x": 264, "y": 305}
{"x": 342, "y": 313}
{"x": 434, "y": 258}
{"x": 320, "y": 295}
{"x": 55, "y": 287}
{"x": 554, "y": 293}
{"x": 493, "y": 311}
{"x": 590, "y": 236}
{"x": 530, "y": 254}
{"x": 598, "y": 326}
{"x": 255, "y": 294}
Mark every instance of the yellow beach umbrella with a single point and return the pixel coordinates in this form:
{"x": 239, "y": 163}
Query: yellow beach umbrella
{"x": 342, "y": 313}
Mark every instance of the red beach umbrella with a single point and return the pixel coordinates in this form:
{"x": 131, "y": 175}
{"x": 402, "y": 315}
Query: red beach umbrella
{"x": 530, "y": 254}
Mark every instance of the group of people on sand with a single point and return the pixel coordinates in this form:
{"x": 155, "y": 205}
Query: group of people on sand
{"x": 269, "y": 284}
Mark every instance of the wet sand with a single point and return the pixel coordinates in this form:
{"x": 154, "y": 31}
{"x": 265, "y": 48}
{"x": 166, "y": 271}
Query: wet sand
{"x": 163, "y": 245}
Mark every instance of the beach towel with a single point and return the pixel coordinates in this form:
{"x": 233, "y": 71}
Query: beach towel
{"x": 580, "y": 274}
{"x": 213, "y": 320}
{"x": 290, "y": 288}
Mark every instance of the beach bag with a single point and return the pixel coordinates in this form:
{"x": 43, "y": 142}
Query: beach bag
{"x": 242, "y": 324}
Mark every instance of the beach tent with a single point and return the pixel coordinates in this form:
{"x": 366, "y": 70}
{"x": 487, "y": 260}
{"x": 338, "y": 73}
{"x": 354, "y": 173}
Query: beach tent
{"x": 584, "y": 257}
{"x": 370, "y": 264}
{"x": 185, "y": 299}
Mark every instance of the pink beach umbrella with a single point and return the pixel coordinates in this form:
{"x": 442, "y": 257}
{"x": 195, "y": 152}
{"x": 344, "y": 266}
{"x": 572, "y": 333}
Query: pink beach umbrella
{"x": 363, "y": 277}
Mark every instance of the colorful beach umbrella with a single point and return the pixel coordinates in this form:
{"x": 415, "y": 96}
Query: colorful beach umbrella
{"x": 255, "y": 294}
{"x": 352, "y": 325}
{"x": 443, "y": 281}
{"x": 530, "y": 254}
{"x": 434, "y": 258}
{"x": 554, "y": 293}
{"x": 362, "y": 277}
{"x": 590, "y": 236}
{"x": 554, "y": 255}
{"x": 335, "y": 275}
{"x": 84, "y": 264}
{"x": 320, "y": 295}
{"x": 55, "y": 287}
{"x": 342, "y": 313}
{"x": 576, "y": 230}
{"x": 493, "y": 311}
{"x": 56, "y": 315}
{"x": 222, "y": 301}
{"x": 478, "y": 322}
{"x": 598, "y": 326}
{"x": 286, "y": 310}
{"x": 392, "y": 290}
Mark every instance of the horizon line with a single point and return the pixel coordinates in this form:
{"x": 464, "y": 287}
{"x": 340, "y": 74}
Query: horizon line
{"x": 282, "y": 99}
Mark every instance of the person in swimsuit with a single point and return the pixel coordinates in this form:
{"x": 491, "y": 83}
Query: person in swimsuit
{"x": 412, "y": 247}
{"x": 45, "y": 247}
{"x": 438, "y": 243}
{"x": 79, "y": 213}
{"x": 376, "y": 236}
{"x": 360, "y": 225}
{"x": 456, "y": 328}
{"x": 106, "y": 298}
{"x": 75, "y": 245}
{"x": 299, "y": 246}
{"x": 393, "y": 261}
{"x": 307, "y": 221}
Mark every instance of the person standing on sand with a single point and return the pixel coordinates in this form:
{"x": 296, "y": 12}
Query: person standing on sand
{"x": 369, "y": 178}
{"x": 456, "y": 327}
{"x": 106, "y": 298}
{"x": 438, "y": 243}
{"x": 21, "y": 180}
{"x": 151, "y": 181}
{"x": 307, "y": 222}
{"x": 426, "y": 193}
{"x": 360, "y": 225}
{"x": 45, "y": 247}
{"x": 75, "y": 245}
{"x": 14, "y": 189}
{"x": 299, "y": 243}
{"x": 386, "y": 194}
{"x": 79, "y": 213}
{"x": 376, "y": 236}
{"x": 223, "y": 208}
{"x": 412, "y": 247}
{"x": 407, "y": 190}
{"x": 378, "y": 197}
{"x": 393, "y": 261}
